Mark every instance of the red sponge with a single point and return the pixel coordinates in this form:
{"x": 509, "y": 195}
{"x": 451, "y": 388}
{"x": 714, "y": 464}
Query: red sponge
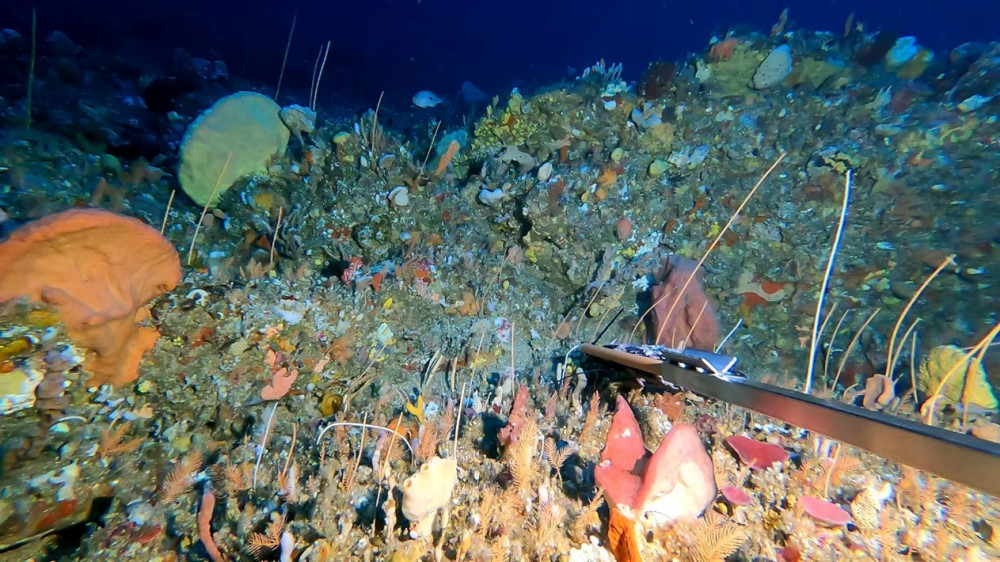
{"x": 684, "y": 313}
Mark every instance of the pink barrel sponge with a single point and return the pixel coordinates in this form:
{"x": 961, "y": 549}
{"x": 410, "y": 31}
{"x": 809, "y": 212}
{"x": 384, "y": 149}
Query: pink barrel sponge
{"x": 675, "y": 482}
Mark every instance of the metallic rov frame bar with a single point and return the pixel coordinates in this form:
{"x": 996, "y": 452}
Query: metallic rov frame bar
{"x": 956, "y": 456}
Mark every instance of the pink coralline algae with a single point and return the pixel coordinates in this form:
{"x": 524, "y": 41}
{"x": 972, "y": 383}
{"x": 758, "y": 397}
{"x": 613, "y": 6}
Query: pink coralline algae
{"x": 825, "y": 512}
{"x": 353, "y": 268}
{"x": 736, "y": 495}
{"x": 757, "y": 454}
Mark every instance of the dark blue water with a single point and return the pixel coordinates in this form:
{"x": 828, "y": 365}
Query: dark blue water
{"x": 401, "y": 46}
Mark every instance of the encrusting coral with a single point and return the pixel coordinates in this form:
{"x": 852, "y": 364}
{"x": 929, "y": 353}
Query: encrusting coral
{"x": 99, "y": 270}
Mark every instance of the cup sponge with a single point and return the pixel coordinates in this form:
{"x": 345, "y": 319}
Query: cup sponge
{"x": 244, "y": 124}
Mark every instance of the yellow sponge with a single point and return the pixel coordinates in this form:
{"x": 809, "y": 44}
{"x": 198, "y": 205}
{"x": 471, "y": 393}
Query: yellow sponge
{"x": 245, "y": 125}
{"x": 968, "y": 385}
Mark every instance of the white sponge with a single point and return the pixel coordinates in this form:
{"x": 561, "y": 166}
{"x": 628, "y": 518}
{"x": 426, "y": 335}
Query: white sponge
{"x": 775, "y": 68}
{"x": 427, "y": 491}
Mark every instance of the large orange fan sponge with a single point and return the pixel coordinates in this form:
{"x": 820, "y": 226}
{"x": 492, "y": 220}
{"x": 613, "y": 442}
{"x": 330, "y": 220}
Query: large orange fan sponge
{"x": 99, "y": 270}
